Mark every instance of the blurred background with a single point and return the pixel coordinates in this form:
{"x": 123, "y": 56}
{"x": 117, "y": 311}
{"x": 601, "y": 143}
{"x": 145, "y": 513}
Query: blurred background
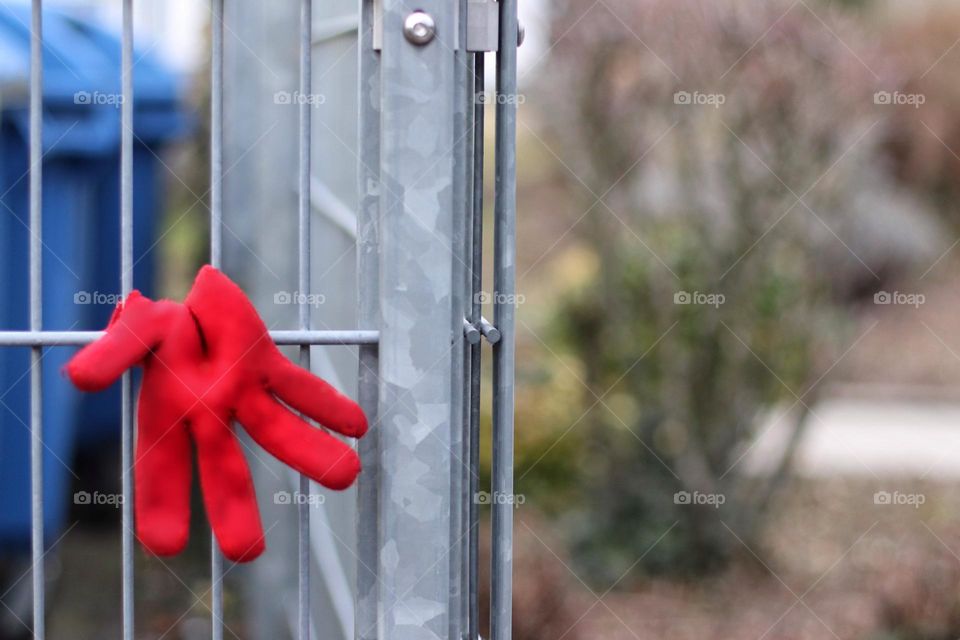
{"x": 739, "y": 374}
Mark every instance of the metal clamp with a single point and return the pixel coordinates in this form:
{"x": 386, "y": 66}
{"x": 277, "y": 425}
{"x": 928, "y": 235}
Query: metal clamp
{"x": 483, "y": 26}
{"x": 473, "y": 332}
{"x": 490, "y": 332}
{"x": 470, "y": 332}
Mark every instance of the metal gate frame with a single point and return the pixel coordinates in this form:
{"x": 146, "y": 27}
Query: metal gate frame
{"x": 419, "y": 232}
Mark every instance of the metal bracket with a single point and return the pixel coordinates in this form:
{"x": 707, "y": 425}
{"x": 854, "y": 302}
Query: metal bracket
{"x": 483, "y": 25}
{"x": 377, "y": 25}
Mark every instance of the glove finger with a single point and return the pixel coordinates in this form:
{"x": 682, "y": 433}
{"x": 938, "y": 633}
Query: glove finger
{"x": 136, "y": 327}
{"x": 229, "y": 321}
{"x": 316, "y": 398}
{"x": 228, "y": 491}
{"x": 162, "y": 477}
{"x": 309, "y": 450}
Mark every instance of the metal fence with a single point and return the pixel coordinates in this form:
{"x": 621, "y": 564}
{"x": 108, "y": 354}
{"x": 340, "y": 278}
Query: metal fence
{"x": 418, "y": 232}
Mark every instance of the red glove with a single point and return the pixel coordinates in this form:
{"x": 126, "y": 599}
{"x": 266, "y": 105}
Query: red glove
{"x": 207, "y": 362}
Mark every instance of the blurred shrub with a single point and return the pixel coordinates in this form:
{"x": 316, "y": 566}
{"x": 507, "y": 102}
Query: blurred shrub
{"x": 737, "y": 214}
{"x": 924, "y": 138}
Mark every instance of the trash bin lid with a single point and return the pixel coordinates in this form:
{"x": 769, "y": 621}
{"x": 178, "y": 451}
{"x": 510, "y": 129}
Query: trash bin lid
{"x": 81, "y": 85}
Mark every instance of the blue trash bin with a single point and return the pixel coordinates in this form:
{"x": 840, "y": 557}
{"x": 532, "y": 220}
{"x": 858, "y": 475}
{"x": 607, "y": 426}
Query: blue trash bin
{"x": 81, "y": 237}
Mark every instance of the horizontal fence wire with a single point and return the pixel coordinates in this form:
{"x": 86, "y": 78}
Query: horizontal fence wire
{"x": 280, "y": 337}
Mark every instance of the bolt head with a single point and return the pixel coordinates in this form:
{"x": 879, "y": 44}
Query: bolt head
{"x": 419, "y": 28}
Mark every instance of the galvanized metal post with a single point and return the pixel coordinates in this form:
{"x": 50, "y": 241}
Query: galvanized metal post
{"x": 421, "y": 323}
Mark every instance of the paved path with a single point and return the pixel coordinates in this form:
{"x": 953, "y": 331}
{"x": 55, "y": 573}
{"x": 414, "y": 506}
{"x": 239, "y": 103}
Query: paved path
{"x": 870, "y": 437}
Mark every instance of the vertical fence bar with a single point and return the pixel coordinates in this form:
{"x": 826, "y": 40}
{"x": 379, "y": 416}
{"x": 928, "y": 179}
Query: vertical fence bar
{"x": 368, "y": 277}
{"x": 504, "y": 285}
{"x": 126, "y": 285}
{"x": 303, "y": 252}
{"x": 216, "y": 247}
{"x": 473, "y": 625}
{"x": 216, "y": 131}
{"x": 462, "y": 90}
{"x": 36, "y": 315}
